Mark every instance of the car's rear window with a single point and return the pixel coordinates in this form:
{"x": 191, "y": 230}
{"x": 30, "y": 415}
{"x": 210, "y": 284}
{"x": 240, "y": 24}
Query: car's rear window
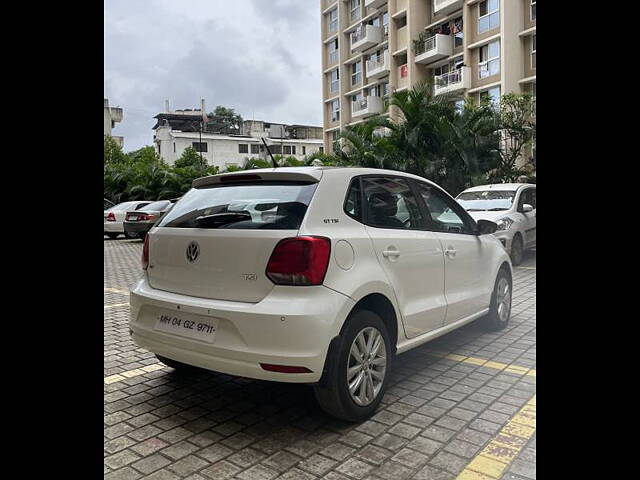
{"x": 265, "y": 205}
{"x": 161, "y": 205}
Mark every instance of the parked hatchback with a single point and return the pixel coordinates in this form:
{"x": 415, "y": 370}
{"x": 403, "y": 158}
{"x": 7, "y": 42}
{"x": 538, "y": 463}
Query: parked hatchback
{"x": 342, "y": 269}
{"x": 512, "y": 206}
{"x": 138, "y": 222}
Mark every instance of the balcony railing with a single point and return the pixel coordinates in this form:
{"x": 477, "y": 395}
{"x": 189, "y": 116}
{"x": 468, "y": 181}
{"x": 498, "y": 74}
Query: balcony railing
{"x": 378, "y": 66}
{"x": 370, "y": 105}
{"x": 446, "y": 6}
{"x": 434, "y": 48}
{"x": 452, "y": 81}
{"x": 366, "y": 36}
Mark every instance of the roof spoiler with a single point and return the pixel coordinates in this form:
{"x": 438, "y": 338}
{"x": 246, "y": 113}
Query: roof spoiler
{"x": 280, "y": 174}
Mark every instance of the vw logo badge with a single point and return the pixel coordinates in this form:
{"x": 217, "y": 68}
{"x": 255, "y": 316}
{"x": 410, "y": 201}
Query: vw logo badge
{"x": 193, "y": 251}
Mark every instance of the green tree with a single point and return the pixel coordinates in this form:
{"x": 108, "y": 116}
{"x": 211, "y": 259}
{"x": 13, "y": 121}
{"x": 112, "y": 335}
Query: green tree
{"x": 516, "y": 117}
{"x": 191, "y": 158}
{"x": 227, "y": 118}
{"x": 112, "y": 151}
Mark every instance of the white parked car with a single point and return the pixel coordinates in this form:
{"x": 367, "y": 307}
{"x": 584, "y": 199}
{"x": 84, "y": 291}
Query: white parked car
{"x": 512, "y": 206}
{"x": 114, "y": 217}
{"x": 347, "y": 272}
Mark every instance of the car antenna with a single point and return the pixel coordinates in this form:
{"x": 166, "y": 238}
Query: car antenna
{"x": 275, "y": 164}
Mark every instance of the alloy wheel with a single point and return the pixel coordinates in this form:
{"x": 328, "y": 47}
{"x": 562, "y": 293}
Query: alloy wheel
{"x": 503, "y": 299}
{"x": 366, "y": 366}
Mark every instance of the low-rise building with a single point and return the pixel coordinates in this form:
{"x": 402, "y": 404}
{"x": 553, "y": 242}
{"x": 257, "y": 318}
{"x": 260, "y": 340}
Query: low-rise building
{"x": 112, "y": 115}
{"x": 222, "y": 145}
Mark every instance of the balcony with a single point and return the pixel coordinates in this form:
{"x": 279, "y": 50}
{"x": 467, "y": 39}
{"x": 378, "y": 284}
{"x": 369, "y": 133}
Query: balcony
{"x": 377, "y": 68}
{"x": 454, "y": 81}
{"x": 366, "y": 106}
{"x": 366, "y": 36}
{"x": 444, "y": 7}
{"x": 434, "y": 48}
{"x": 374, "y": 3}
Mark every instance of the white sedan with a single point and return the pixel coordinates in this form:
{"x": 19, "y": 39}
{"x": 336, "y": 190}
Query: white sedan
{"x": 114, "y": 217}
{"x": 512, "y": 206}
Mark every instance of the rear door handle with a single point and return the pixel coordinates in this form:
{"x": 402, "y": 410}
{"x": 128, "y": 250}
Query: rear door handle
{"x": 450, "y": 252}
{"x": 390, "y": 253}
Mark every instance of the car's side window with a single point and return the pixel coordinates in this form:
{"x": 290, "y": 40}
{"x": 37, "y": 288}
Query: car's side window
{"x": 532, "y": 197}
{"x": 353, "y": 202}
{"x": 525, "y": 197}
{"x": 390, "y": 203}
{"x": 441, "y": 213}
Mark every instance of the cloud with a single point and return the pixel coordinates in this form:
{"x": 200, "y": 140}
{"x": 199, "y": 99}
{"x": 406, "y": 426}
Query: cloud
{"x": 257, "y": 56}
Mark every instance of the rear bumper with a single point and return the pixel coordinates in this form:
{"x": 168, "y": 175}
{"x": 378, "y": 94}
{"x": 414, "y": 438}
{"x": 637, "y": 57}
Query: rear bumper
{"x": 137, "y": 228}
{"x": 291, "y": 326}
{"x": 113, "y": 227}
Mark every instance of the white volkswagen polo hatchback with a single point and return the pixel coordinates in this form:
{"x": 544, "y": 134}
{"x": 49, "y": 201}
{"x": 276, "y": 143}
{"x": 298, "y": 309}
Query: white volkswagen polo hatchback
{"x": 324, "y": 277}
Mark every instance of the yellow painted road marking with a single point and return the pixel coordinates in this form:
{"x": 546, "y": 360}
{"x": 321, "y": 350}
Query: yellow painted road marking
{"x": 133, "y": 373}
{"x": 494, "y": 459}
{"x": 116, "y": 305}
{"x": 116, "y": 290}
{"x": 517, "y": 369}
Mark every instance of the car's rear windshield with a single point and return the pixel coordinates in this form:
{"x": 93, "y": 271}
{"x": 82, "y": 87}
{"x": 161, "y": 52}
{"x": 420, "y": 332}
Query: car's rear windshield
{"x": 264, "y": 205}
{"x": 486, "y": 200}
{"x": 161, "y": 205}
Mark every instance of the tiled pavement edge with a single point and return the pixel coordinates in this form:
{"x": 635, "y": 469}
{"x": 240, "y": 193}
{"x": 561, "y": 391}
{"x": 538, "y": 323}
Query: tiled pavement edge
{"x": 439, "y": 414}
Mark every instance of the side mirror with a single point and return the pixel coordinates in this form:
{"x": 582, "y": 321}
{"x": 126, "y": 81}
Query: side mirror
{"x": 486, "y": 227}
{"x": 527, "y": 208}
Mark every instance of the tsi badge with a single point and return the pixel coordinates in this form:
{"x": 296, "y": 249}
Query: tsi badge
{"x": 251, "y": 277}
{"x": 193, "y": 252}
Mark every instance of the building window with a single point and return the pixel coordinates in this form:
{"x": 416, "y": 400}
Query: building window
{"x": 492, "y": 94}
{"x": 243, "y": 148}
{"x": 334, "y": 81}
{"x": 332, "y": 17}
{"x": 401, "y": 22}
{"x": 321, "y": 149}
{"x": 255, "y": 148}
{"x": 489, "y": 60}
{"x": 533, "y": 10}
{"x": 286, "y": 150}
{"x": 335, "y": 110}
{"x": 304, "y": 150}
{"x": 356, "y": 72}
{"x": 458, "y": 34}
{"x": 199, "y": 147}
{"x": 333, "y": 51}
{"x": 533, "y": 52}
{"x": 489, "y": 15}
{"x": 174, "y": 147}
{"x": 354, "y": 9}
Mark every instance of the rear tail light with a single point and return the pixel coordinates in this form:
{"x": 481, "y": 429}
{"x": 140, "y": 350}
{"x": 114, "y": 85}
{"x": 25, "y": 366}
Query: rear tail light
{"x": 284, "y": 368}
{"x": 299, "y": 261}
{"x": 111, "y": 217}
{"x": 145, "y": 253}
{"x": 146, "y": 217}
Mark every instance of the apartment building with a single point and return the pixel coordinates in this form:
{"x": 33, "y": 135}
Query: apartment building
{"x": 222, "y": 146}
{"x": 467, "y": 48}
{"x": 112, "y": 115}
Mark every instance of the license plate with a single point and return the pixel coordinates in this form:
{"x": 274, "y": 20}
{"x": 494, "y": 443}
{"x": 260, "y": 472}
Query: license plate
{"x": 132, "y": 218}
{"x": 198, "y": 329}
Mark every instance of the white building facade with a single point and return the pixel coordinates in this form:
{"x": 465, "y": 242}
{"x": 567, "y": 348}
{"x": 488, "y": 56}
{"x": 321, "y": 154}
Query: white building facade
{"x": 225, "y": 150}
{"x": 112, "y": 115}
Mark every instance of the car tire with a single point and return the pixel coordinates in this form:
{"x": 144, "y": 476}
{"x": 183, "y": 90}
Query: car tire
{"x": 178, "y": 366}
{"x": 112, "y": 235}
{"x": 130, "y": 236}
{"x": 517, "y": 250}
{"x": 362, "y": 331}
{"x": 500, "y": 308}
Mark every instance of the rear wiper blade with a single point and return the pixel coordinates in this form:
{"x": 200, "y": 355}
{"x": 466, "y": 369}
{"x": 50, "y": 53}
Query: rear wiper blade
{"x": 218, "y": 219}
{"x": 475, "y": 210}
{"x": 497, "y": 209}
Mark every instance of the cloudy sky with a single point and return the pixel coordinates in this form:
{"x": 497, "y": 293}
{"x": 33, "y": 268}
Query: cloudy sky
{"x": 261, "y": 57}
